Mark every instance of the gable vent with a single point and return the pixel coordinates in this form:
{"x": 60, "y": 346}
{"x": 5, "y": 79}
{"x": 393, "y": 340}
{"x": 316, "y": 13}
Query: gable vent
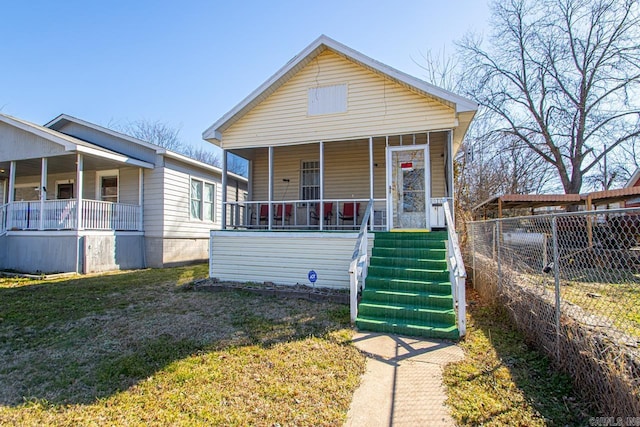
{"x": 327, "y": 100}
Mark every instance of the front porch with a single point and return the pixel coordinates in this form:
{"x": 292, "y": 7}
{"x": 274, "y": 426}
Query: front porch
{"x": 64, "y": 215}
{"x": 328, "y": 185}
{"x": 70, "y": 192}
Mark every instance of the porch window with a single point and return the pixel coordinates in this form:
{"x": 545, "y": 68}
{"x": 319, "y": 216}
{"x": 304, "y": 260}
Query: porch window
{"x": 310, "y": 181}
{"x": 107, "y": 183}
{"x": 203, "y": 196}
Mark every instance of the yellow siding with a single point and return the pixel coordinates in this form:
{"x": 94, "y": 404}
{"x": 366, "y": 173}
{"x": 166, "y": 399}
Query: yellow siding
{"x": 375, "y": 106}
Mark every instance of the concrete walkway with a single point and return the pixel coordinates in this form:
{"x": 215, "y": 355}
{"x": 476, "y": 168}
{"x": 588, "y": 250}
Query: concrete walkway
{"x": 402, "y": 384}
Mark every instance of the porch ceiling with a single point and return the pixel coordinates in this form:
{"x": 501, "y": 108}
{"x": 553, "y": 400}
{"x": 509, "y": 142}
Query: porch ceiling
{"x": 58, "y": 164}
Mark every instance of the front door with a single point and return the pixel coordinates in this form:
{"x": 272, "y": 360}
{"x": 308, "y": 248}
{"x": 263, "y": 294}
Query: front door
{"x": 408, "y": 184}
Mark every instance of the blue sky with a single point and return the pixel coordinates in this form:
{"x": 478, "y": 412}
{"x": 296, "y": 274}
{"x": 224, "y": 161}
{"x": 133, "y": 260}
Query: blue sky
{"x": 186, "y": 62}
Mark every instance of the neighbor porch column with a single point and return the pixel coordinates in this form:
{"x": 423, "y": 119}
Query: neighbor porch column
{"x": 141, "y": 198}
{"x": 79, "y": 211}
{"x": 11, "y": 192}
{"x": 79, "y": 190}
{"x": 371, "y": 165}
{"x": 321, "y": 211}
{"x": 43, "y": 190}
{"x": 223, "y": 219}
{"x": 269, "y": 220}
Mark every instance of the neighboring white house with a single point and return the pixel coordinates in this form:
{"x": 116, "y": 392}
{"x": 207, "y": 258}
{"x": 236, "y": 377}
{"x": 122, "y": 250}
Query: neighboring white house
{"x": 78, "y": 197}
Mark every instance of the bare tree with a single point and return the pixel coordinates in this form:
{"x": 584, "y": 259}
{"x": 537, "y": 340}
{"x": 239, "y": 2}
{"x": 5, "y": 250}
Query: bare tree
{"x": 203, "y": 155}
{"x": 155, "y": 132}
{"x": 563, "y": 77}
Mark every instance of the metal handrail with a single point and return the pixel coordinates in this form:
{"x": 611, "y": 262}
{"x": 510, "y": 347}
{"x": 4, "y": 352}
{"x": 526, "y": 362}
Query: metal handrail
{"x": 457, "y": 272}
{"x": 359, "y": 262}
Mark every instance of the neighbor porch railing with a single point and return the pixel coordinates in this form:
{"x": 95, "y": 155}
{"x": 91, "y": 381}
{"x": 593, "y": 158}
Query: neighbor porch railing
{"x": 63, "y": 215}
{"x": 457, "y": 272}
{"x": 359, "y": 264}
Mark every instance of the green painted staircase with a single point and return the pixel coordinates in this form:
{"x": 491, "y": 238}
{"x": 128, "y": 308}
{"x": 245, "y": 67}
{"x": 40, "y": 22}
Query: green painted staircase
{"x": 407, "y": 289}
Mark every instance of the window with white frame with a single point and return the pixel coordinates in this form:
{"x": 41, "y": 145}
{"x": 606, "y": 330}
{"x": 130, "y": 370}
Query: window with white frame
{"x": 107, "y": 185}
{"x": 310, "y": 181}
{"x": 209, "y": 202}
{"x": 202, "y": 203}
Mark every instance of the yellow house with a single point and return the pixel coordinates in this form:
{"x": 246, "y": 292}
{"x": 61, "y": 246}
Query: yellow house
{"x": 337, "y": 143}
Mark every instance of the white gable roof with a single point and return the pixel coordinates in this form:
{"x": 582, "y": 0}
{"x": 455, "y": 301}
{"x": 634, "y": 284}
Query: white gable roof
{"x": 322, "y": 43}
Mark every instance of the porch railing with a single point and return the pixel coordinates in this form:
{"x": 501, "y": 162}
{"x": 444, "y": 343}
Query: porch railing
{"x": 327, "y": 214}
{"x": 98, "y": 215}
{"x": 457, "y": 272}
{"x": 63, "y": 215}
{"x": 358, "y": 267}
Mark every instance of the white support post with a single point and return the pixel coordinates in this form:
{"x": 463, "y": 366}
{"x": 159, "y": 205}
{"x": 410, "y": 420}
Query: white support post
{"x": 79, "y": 210}
{"x": 79, "y": 190}
{"x": 371, "y": 166}
{"x": 270, "y": 219}
{"x": 450, "y": 173}
{"x": 321, "y": 211}
{"x": 247, "y": 213}
{"x": 223, "y": 219}
{"x": 12, "y": 190}
{"x": 43, "y": 190}
{"x": 141, "y": 198}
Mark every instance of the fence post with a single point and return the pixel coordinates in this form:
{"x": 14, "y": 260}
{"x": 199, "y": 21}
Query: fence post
{"x": 498, "y": 235}
{"x": 556, "y": 275}
{"x": 473, "y": 252}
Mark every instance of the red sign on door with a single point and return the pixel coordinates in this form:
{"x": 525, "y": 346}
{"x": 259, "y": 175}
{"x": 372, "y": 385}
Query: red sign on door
{"x": 406, "y": 165}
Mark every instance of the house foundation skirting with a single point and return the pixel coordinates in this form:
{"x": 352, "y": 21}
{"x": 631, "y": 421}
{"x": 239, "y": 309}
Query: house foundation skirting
{"x": 62, "y": 252}
{"x": 170, "y": 252}
{"x": 283, "y": 258}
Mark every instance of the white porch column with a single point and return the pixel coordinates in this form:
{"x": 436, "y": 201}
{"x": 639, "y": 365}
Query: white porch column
{"x": 79, "y": 190}
{"x": 450, "y": 174}
{"x": 141, "y": 198}
{"x": 223, "y": 208}
{"x": 270, "y": 219}
{"x": 371, "y": 166}
{"x": 11, "y": 192}
{"x": 43, "y": 190}
{"x": 248, "y": 208}
{"x": 321, "y": 215}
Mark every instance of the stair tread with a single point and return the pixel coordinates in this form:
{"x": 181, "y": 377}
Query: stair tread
{"x": 427, "y": 270}
{"x": 415, "y": 324}
{"x": 402, "y": 292}
{"x": 420, "y": 308}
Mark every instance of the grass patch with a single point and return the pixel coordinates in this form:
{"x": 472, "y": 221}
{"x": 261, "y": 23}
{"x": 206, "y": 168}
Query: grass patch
{"x": 135, "y": 348}
{"x": 502, "y": 381}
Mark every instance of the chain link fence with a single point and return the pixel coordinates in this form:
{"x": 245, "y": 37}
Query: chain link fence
{"x": 572, "y": 284}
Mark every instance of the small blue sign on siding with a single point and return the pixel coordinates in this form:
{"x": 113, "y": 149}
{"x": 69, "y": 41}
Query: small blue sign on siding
{"x": 313, "y": 276}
